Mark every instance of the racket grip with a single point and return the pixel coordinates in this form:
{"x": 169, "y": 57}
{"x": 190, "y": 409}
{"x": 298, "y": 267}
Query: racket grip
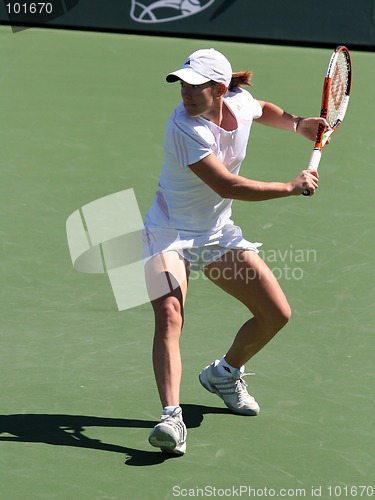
{"x": 314, "y": 160}
{"x": 313, "y": 165}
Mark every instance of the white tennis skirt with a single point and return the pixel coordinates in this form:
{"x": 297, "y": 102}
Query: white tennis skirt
{"x": 199, "y": 250}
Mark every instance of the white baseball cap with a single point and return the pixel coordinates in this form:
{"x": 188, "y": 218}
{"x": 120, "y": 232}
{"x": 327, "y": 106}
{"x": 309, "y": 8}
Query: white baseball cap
{"x": 203, "y": 66}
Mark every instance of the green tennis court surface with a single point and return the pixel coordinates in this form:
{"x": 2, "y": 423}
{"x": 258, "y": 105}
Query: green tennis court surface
{"x": 82, "y": 116}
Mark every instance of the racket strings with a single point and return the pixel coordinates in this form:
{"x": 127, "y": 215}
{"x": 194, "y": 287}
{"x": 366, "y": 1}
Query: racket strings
{"x": 338, "y": 94}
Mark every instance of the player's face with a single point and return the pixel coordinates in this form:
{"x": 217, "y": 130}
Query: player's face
{"x": 199, "y": 99}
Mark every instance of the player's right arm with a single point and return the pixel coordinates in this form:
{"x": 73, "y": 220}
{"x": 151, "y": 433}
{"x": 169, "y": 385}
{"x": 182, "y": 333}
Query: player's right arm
{"x": 227, "y": 185}
{"x": 274, "y": 116}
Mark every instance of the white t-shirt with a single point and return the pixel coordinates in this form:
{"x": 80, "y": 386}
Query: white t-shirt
{"x": 183, "y": 202}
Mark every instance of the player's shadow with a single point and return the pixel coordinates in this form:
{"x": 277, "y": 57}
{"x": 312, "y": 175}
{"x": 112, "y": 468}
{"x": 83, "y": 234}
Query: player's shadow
{"x": 69, "y": 430}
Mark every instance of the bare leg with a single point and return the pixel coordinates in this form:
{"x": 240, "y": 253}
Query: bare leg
{"x": 166, "y": 278}
{"x": 245, "y": 276}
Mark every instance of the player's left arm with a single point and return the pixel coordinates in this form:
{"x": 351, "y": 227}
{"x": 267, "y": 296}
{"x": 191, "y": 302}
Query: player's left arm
{"x": 274, "y": 116}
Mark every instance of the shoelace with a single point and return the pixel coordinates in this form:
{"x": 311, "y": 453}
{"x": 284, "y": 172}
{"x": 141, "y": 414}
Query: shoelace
{"x": 236, "y": 385}
{"x": 175, "y": 421}
{"x": 241, "y": 385}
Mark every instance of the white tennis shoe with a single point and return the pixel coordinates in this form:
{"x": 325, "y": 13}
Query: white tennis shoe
{"x": 170, "y": 434}
{"x": 232, "y": 390}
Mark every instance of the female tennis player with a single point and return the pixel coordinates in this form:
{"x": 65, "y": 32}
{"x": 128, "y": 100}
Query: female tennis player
{"x": 189, "y": 227}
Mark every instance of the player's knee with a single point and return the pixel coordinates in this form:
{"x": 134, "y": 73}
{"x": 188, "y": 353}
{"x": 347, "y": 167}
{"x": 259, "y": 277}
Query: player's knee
{"x": 168, "y": 313}
{"x": 286, "y": 314}
{"x": 276, "y": 320}
{"x": 283, "y": 316}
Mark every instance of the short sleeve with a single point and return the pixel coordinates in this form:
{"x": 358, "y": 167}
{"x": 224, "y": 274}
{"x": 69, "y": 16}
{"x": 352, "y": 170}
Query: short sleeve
{"x": 187, "y": 141}
{"x": 244, "y": 104}
{"x": 258, "y": 111}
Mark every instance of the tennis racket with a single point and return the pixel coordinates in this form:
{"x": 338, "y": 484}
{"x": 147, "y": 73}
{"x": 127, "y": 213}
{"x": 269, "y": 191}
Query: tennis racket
{"x": 335, "y": 100}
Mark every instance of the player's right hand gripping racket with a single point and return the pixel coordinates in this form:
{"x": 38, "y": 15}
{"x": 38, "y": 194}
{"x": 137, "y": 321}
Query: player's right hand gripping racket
{"x": 335, "y": 100}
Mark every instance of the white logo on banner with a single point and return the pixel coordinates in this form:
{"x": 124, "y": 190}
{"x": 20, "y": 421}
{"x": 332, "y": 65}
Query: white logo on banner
{"x": 161, "y": 11}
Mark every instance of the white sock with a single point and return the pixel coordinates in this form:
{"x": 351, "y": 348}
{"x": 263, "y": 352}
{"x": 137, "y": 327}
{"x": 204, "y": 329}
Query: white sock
{"x": 224, "y": 369}
{"x": 168, "y": 410}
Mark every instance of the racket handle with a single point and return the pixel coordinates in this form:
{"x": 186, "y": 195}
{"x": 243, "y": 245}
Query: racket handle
{"x": 314, "y": 160}
{"x": 313, "y": 165}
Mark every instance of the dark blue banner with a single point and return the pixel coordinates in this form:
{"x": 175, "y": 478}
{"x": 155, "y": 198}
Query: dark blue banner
{"x": 289, "y": 21}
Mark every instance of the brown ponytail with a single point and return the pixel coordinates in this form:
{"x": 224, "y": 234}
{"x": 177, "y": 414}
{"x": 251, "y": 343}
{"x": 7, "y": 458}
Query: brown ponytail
{"x": 240, "y": 79}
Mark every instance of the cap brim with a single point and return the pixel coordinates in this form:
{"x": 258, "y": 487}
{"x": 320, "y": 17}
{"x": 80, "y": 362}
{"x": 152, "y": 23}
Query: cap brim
{"x": 187, "y": 75}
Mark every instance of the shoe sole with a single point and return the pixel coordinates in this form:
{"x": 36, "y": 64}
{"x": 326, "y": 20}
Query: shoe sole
{"x": 205, "y": 383}
{"x": 177, "y": 451}
{"x": 160, "y": 439}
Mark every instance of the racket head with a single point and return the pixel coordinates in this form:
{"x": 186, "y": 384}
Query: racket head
{"x": 336, "y": 92}
{"x": 336, "y": 87}
{"x": 339, "y": 82}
